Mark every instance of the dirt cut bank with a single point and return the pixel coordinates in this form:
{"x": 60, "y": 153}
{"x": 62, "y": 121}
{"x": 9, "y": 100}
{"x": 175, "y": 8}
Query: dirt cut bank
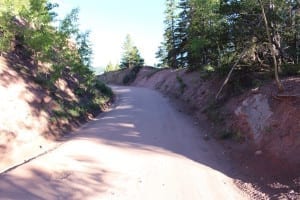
{"x": 34, "y": 113}
{"x": 264, "y": 127}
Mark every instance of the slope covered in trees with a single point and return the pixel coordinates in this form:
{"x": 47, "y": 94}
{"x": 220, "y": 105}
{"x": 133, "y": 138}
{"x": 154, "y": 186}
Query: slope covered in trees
{"x": 211, "y": 35}
{"x": 56, "y": 53}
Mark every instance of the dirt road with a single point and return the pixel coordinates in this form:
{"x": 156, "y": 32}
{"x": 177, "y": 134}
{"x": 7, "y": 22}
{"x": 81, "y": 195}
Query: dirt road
{"x": 142, "y": 149}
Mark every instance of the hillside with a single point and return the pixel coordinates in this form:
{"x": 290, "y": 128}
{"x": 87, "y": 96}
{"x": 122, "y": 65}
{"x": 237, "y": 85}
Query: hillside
{"x": 46, "y": 82}
{"x": 257, "y": 127}
{"x": 32, "y": 116}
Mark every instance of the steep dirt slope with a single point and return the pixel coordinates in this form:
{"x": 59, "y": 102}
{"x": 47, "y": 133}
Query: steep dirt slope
{"x": 21, "y": 122}
{"x": 35, "y": 112}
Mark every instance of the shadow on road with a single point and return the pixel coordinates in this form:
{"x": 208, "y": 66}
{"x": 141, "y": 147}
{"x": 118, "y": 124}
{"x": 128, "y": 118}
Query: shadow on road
{"x": 143, "y": 120}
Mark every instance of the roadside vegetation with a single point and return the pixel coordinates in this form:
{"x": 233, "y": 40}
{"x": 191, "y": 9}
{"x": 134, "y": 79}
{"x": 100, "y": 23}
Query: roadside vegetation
{"x": 241, "y": 44}
{"x": 250, "y": 39}
{"x": 244, "y": 43}
{"x": 51, "y": 55}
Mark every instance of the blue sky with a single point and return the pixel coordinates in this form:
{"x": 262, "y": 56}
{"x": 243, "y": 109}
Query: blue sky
{"x": 110, "y": 20}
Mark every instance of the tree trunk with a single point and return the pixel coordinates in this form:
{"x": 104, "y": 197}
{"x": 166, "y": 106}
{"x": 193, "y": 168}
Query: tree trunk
{"x": 271, "y": 47}
{"x": 230, "y": 72}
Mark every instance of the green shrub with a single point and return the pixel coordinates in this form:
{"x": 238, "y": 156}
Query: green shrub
{"x": 104, "y": 89}
{"x": 60, "y": 114}
{"x": 207, "y": 71}
{"x": 44, "y": 81}
{"x": 93, "y": 106}
{"x": 74, "y": 112}
{"x": 80, "y": 92}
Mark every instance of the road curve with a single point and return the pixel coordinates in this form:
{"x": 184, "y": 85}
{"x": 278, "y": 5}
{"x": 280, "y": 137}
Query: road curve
{"x": 143, "y": 149}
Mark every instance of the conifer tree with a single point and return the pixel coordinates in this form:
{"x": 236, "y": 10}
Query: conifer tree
{"x": 131, "y": 56}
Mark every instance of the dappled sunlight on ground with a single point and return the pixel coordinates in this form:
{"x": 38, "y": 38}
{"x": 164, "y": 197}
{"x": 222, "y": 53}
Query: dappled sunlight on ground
{"x": 127, "y": 153}
{"x": 145, "y": 150}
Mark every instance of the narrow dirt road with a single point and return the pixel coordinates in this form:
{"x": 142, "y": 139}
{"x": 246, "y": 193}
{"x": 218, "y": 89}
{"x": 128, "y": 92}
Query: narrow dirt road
{"x": 142, "y": 149}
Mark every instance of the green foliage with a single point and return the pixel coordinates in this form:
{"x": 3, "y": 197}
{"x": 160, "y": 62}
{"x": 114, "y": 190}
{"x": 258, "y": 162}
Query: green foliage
{"x": 161, "y": 54}
{"x": 44, "y": 80}
{"x": 207, "y": 71}
{"x": 6, "y": 27}
{"x": 26, "y": 26}
{"x": 69, "y": 25}
{"x": 104, "y": 89}
{"x": 84, "y": 48}
{"x": 110, "y": 67}
{"x": 168, "y": 47}
{"x": 131, "y": 56}
{"x": 201, "y": 33}
{"x": 74, "y": 112}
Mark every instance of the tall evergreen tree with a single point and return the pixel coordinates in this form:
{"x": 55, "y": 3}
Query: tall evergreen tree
{"x": 131, "y": 56}
{"x": 169, "y": 35}
{"x": 161, "y": 54}
{"x": 181, "y": 33}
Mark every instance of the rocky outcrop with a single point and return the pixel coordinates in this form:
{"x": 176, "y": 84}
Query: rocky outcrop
{"x": 272, "y": 122}
{"x": 253, "y": 115}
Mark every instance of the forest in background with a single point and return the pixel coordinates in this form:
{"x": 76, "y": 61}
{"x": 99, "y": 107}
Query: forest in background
{"x": 253, "y": 36}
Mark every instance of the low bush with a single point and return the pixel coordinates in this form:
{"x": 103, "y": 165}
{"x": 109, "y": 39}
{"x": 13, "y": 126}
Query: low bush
{"x": 104, "y": 89}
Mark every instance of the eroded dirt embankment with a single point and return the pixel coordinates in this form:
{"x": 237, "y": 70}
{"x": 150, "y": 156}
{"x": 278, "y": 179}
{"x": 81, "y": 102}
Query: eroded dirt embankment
{"x": 32, "y": 116}
{"x": 21, "y": 121}
{"x": 264, "y": 128}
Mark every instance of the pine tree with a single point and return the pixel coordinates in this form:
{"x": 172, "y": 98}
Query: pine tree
{"x": 181, "y": 33}
{"x": 169, "y": 35}
{"x": 131, "y": 56}
{"x": 111, "y": 67}
{"x": 161, "y": 54}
